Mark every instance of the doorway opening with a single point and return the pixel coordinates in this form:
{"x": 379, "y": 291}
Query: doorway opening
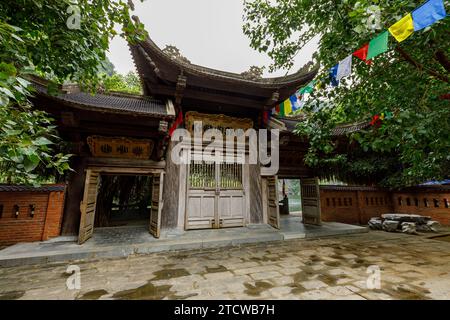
{"x": 290, "y": 197}
{"x": 123, "y": 200}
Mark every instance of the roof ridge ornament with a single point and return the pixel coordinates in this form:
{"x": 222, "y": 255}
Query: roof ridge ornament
{"x": 254, "y": 73}
{"x": 174, "y": 53}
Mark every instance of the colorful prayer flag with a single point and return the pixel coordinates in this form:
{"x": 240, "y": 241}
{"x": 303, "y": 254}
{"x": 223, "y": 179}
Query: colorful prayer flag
{"x": 389, "y": 115}
{"x": 378, "y": 45}
{"x": 320, "y": 84}
{"x": 308, "y": 88}
{"x": 403, "y": 28}
{"x": 281, "y": 113}
{"x": 428, "y": 13}
{"x": 266, "y": 116}
{"x": 344, "y": 68}
{"x": 286, "y": 106}
{"x": 361, "y": 53}
{"x": 296, "y": 101}
{"x": 333, "y": 74}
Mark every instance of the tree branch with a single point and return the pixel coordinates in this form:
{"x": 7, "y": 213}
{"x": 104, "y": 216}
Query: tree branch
{"x": 440, "y": 57}
{"x": 419, "y": 66}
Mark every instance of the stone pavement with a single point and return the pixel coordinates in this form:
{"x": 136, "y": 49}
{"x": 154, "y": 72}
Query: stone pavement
{"x": 124, "y": 241}
{"x": 411, "y": 267}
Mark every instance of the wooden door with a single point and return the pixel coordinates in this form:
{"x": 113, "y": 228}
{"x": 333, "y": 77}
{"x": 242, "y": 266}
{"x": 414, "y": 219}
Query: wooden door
{"x": 156, "y": 204}
{"x": 215, "y": 197}
{"x": 87, "y": 206}
{"x": 231, "y": 198}
{"x": 310, "y": 196}
{"x": 201, "y": 196}
{"x": 273, "y": 209}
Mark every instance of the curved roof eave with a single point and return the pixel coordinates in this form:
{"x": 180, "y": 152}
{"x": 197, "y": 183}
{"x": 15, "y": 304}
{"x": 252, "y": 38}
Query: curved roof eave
{"x": 163, "y": 60}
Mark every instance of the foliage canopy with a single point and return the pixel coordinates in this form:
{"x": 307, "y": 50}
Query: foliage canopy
{"x": 411, "y": 81}
{"x": 61, "y": 40}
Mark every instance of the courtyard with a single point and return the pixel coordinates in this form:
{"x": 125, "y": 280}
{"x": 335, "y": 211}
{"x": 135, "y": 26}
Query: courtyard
{"x": 410, "y": 267}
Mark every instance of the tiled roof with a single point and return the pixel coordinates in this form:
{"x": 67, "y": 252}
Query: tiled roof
{"x": 23, "y": 188}
{"x": 340, "y": 130}
{"x": 117, "y": 103}
{"x": 150, "y": 47}
{"x": 349, "y": 188}
{"x": 433, "y": 188}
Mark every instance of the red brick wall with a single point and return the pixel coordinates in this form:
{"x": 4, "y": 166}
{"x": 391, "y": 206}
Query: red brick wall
{"x": 45, "y": 224}
{"x": 356, "y": 205}
{"x": 353, "y": 206}
{"x": 433, "y": 204}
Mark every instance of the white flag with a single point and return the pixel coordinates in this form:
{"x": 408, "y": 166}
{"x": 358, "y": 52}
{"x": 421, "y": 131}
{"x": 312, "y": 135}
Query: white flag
{"x": 345, "y": 68}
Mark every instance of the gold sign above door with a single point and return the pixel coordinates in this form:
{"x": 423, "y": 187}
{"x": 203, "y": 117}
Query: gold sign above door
{"x": 120, "y": 147}
{"x": 216, "y": 121}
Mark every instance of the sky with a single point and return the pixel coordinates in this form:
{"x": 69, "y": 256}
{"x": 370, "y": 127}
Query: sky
{"x": 207, "y": 32}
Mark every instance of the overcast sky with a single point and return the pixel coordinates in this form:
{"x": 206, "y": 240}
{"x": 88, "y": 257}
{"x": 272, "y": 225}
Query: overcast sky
{"x": 207, "y": 32}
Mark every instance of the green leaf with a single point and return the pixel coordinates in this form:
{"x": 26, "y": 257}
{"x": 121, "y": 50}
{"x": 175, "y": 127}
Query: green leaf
{"x": 41, "y": 141}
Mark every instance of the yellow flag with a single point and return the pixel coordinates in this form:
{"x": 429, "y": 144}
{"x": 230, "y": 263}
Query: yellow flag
{"x": 403, "y": 28}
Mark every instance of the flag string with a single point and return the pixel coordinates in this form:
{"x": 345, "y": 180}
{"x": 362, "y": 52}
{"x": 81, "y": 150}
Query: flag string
{"x": 422, "y": 17}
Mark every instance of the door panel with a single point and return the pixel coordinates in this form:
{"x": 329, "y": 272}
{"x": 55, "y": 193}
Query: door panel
{"x": 231, "y": 208}
{"x": 87, "y": 206}
{"x": 273, "y": 210}
{"x": 200, "y": 209}
{"x": 157, "y": 204}
{"x": 310, "y": 195}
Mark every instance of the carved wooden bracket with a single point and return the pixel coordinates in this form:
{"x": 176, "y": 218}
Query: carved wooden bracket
{"x": 273, "y": 99}
{"x": 181, "y": 85}
{"x": 150, "y": 61}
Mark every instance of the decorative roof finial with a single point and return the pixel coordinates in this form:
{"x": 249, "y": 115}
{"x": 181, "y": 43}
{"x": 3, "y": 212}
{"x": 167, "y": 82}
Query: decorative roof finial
{"x": 174, "y": 53}
{"x": 254, "y": 73}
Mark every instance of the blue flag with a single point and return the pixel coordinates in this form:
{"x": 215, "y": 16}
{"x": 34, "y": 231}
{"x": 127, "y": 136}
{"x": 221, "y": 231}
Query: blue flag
{"x": 428, "y": 13}
{"x": 295, "y": 102}
{"x": 333, "y": 75}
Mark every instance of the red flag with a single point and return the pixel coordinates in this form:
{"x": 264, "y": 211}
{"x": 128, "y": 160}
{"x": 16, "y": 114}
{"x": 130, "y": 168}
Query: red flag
{"x": 266, "y": 116}
{"x": 362, "y": 54}
{"x": 178, "y": 122}
{"x": 376, "y": 121}
{"x": 277, "y": 108}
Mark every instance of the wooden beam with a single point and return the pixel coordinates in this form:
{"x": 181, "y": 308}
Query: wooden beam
{"x": 210, "y": 97}
{"x": 115, "y": 165}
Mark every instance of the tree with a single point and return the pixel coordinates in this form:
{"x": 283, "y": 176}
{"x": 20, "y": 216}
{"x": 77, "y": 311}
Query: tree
{"x": 129, "y": 83}
{"x": 61, "y": 40}
{"x": 107, "y": 68}
{"x": 411, "y": 81}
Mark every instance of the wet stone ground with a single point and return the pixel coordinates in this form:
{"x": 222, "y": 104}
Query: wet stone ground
{"x": 410, "y": 267}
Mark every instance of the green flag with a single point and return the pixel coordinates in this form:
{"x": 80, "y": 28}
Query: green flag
{"x": 378, "y": 45}
{"x": 308, "y": 88}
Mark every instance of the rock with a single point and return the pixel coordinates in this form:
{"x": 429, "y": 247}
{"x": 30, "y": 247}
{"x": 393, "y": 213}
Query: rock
{"x": 390, "y": 226}
{"x": 375, "y": 224}
{"x": 434, "y": 226}
{"x": 409, "y": 228}
{"x": 401, "y": 217}
{"x": 430, "y": 226}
